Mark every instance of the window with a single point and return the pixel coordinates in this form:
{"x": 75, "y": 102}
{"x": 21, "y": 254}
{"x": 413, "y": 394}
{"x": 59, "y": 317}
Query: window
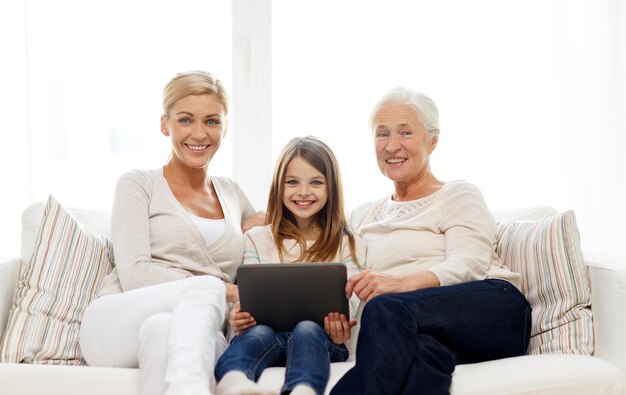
{"x": 527, "y": 93}
{"x": 96, "y": 82}
{"x": 482, "y": 71}
{"x": 530, "y": 93}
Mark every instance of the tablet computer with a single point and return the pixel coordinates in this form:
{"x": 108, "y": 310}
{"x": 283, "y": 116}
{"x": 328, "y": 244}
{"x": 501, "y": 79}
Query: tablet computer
{"x": 280, "y": 295}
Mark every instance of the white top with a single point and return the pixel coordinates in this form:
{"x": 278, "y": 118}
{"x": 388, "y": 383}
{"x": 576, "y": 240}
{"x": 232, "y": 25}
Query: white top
{"x": 155, "y": 241}
{"x": 450, "y": 233}
{"x": 211, "y": 229}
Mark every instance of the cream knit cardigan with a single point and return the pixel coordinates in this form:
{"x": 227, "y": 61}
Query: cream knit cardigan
{"x": 450, "y": 232}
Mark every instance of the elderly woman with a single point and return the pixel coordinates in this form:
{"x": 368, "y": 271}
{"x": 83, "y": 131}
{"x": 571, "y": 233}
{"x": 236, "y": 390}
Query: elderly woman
{"x": 437, "y": 294}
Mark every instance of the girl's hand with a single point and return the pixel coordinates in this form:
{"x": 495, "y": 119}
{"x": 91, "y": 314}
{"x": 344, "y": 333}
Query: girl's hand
{"x": 338, "y": 328}
{"x": 239, "y": 320}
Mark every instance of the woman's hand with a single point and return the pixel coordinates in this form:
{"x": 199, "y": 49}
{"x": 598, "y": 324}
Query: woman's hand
{"x": 338, "y": 328}
{"x": 239, "y": 320}
{"x": 232, "y": 293}
{"x": 368, "y": 284}
{"x": 257, "y": 219}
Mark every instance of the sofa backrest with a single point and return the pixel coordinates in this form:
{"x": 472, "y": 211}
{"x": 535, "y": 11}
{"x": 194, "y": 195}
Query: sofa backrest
{"x": 9, "y": 273}
{"x": 533, "y": 213}
{"x": 98, "y": 221}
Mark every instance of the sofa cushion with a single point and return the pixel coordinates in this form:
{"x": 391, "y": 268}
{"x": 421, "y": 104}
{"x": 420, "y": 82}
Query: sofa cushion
{"x": 538, "y": 375}
{"x": 528, "y": 375}
{"x": 554, "y": 280}
{"x": 55, "y": 286}
{"x": 29, "y": 379}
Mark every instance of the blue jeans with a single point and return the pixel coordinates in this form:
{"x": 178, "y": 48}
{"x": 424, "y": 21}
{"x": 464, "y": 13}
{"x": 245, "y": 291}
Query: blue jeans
{"x": 306, "y": 351}
{"x": 410, "y": 342}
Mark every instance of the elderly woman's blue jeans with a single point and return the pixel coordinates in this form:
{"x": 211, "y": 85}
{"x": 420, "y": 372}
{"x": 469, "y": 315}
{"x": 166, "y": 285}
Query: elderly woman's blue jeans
{"x": 410, "y": 342}
{"x": 306, "y": 351}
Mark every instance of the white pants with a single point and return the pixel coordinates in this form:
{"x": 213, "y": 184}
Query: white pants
{"x": 170, "y": 331}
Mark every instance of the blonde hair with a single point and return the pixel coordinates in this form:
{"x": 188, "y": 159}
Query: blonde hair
{"x": 331, "y": 218}
{"x": 193, "y": 83}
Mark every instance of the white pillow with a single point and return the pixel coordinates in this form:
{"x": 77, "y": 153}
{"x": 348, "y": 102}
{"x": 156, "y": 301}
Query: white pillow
{"x": 555, "y": 281}
{"x": 55, "y": 286}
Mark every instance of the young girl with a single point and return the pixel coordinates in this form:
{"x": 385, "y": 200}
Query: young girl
{"x": 306, "y": 213}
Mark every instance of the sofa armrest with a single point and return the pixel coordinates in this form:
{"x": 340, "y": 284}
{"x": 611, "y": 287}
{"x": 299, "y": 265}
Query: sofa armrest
{"x": 9, "y": 273}
{"x": 608, "y": 303}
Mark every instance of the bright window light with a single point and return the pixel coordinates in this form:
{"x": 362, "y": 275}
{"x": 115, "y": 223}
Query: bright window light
{"x": 332, "y": 64}
{"x": 528, "y": 94}
{"x": 96, "y": 74}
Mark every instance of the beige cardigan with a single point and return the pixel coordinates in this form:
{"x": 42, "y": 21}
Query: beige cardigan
{"x": 155, "y": 240}
{"x": 450, "y": 233}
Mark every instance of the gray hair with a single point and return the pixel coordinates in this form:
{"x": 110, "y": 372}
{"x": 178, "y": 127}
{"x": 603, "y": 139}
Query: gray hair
{"x": 423, "y": 106}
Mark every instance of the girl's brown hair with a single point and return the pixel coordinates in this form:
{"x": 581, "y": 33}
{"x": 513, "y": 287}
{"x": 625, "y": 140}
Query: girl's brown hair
{"x": 330, "y": 219}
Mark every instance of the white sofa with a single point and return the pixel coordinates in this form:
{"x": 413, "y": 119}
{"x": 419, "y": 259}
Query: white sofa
{"x": 602, "y": 373}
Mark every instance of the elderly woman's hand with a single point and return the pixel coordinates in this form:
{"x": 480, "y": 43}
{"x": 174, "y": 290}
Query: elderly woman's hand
{"x": 368, "y": 284}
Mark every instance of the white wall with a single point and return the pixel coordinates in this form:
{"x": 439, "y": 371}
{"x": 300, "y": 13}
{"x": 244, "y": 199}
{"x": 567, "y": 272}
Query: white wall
{"x": 533, "y": 116}
{"x": 531, "y": 95}
{"x": 15, "y": 172}
{"x": 592, "y": 121}
{"x": 251, "y": 127}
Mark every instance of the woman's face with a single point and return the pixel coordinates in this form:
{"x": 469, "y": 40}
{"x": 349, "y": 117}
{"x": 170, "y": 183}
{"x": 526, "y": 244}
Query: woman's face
{"x": 196, "y": 125}
{"x": 403, "y": 146}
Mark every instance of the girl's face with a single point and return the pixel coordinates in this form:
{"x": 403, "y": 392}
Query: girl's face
{"x": 196, "y": 125}
{"x": 305, "y": 192}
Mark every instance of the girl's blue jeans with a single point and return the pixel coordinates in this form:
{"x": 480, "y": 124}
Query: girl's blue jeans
{"x": 306, "y": 352}
{"x": 409, "y": 343}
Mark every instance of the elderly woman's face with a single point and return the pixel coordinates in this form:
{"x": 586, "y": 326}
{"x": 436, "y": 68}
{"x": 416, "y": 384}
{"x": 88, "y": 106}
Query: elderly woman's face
{"x": 403, "y": 146}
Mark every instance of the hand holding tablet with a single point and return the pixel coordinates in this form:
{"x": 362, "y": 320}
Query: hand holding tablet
{"x": 280, "y": 295}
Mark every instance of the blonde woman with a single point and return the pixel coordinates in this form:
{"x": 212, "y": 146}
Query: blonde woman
{"x": 177, "y": 242}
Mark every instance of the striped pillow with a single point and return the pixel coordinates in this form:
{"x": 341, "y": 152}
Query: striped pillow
{"x": 61, "y": 278}
{"x": 555, "y": 281}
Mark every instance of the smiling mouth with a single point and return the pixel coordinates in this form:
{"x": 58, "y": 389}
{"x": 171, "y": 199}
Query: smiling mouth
{"x": 197, "y": 147}
{"x": 395, "y": 161}
{"x": 303, "y": 203}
